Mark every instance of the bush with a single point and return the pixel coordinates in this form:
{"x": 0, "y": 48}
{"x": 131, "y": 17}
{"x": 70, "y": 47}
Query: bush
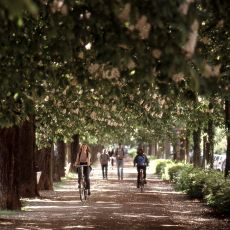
{"x": 160, "y": 166}
{"x": 192, "y": 181}
{"x": 132, "y": 152}
{"x": 197, "y": 181}
{"x": 182, "y": 182}
{"x": 213, "y": 183}
{"x": 222, "y": 199}
{"x": 174, "y": 171}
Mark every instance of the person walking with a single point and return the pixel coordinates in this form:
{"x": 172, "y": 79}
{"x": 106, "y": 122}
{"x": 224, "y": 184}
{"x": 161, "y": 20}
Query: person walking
{"x": 120, "y": 154}
{"x": 141, "y": 161}
{"x": 111, "y": 155}
{"x": 84, "y": 158}
{"x": 104, "y": 160}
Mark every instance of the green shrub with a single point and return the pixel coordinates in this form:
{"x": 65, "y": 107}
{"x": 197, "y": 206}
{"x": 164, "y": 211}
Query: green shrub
{"x": 160, "y": 166}
{"x": 197, "y": 181}
{"x": 213, "y": 183}
{"x": 182, "y": 182}
{"x": 132, "y": 152}
{"x": 174, "y": 171}
{"x": 221, "y": 201}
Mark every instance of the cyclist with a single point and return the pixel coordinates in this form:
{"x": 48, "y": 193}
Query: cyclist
{"x": 141, "y": 161}
{"x": 84, "y": 158}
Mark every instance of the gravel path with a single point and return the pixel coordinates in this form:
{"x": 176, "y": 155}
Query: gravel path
{"x": 113, "y": 205}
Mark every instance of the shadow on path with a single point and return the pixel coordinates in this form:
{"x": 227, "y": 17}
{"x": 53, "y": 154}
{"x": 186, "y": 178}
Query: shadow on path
{"x": 113, "y": 205}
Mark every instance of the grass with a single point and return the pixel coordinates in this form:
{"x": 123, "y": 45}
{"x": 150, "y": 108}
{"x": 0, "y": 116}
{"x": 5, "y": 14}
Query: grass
{"x": 8, "y": 212}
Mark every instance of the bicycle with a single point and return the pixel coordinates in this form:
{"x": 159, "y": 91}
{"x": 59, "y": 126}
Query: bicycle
{"x": 82, "y": 184}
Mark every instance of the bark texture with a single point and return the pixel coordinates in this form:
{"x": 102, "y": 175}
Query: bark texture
{"x": 45, "y": 165}
{"x": 9, "y": 196}
{"x": 227, "y": 119}
{"x": 25, "y": 160}
{"x": 197, "y": 150}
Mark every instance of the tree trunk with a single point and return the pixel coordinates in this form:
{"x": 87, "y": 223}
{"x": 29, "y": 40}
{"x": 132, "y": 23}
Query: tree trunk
{"x": 150, "y": 149}
{"x": 94, "y": 151}
{"x": 211, "y": 134}
{"x": 9, "y": 196}
{"x": 59, "y": 161}
{"x": 197, "y": 151}
{"x": 68, "y": 153}
{"x": 45, "y": 165}
{"x": 187, "y": 157}
{"x": 182, "y": 147}
{"x": 176, "y": 148}
{"x": 227, "y": 120}
{"x": 205, "y": 152}
{"x": 74, "y": 150}
{"x": 61, "y": 157}
{"x": 26, "y": 160}
{"x": 56, "y": 171}
{"x": 167, "y": 148}
{"x": 155, "y": 148}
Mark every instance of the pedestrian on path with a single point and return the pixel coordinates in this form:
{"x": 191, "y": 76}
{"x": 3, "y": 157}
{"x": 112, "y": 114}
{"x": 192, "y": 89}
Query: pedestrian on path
{"x": 120, "y": 154}
{"x": 111, "y": 155}
{"x": 104, "y": 160}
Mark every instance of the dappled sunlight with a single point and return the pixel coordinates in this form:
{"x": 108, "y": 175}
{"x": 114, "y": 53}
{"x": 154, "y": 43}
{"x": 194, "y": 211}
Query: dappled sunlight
{"x": 181, "y": 212}
{"x": 111, "y": 201}
{"x": 139, "y": 215}
{"x": 29, "y": 228}
{"x": 102, "y": 189}
{"x": 6, "y": 223}
{"x": 170, "y": 225}
{"x": 105, "y": 202}
{"x": 78, "y": 226}
{"x": 163, "y": 192}
{"x": 31, "y": 203}
{"x": 29, "y": 208}
{"x": 155, "y": 216}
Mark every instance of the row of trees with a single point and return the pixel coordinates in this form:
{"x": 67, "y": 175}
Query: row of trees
{"x": 108, "y": 71}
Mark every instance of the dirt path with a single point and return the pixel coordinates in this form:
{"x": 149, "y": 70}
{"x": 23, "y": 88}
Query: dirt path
{"x": 114, "y": 205}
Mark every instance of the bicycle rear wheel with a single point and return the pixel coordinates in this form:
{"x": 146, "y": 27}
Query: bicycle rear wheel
{"x": 141, "y": 181}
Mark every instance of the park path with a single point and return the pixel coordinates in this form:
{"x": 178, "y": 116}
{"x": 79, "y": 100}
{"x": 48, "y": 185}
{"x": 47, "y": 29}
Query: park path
{"x": 113, "y": 205}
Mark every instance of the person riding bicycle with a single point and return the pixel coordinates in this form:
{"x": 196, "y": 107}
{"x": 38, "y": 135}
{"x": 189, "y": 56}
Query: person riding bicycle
{"x": 141, "y": 161}
{"x": 84, "y": 158}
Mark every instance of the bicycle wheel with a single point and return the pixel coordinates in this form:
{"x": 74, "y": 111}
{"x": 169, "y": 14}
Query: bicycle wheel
{"x": 141, "y": 181}
{"x": 83, "y": 191}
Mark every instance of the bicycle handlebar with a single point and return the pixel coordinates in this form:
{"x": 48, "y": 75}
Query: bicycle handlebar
{"x": 79, "y": 166}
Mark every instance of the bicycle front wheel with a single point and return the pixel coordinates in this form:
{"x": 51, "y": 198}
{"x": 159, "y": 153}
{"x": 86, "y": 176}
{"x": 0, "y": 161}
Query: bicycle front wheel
{"x": 83, "y": 192}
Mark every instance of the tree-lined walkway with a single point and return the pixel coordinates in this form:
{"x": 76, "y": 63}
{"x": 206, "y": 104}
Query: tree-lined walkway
{"x": 113, "y": 205}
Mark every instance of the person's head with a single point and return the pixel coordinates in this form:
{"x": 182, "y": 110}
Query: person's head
{"x": 119, "y": 144}
{"x": 84, "y": 147}
{"x": 140, "y": 151}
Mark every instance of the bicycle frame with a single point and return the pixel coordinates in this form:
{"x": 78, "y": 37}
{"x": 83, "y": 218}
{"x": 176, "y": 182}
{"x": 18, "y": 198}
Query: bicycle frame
{"x": 82, "y": 184}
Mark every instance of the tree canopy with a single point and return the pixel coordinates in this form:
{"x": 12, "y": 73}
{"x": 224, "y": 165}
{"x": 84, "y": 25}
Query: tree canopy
{"x": 109, "y": 70}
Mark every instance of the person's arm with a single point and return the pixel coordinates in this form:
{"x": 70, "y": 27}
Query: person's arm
{"x": 77, "y": 159}
{"x": 147, "y": 160}
{"x": 89, "y": 162}
{"x": 123, "y": 152}
{"x": 135, "y": 161}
